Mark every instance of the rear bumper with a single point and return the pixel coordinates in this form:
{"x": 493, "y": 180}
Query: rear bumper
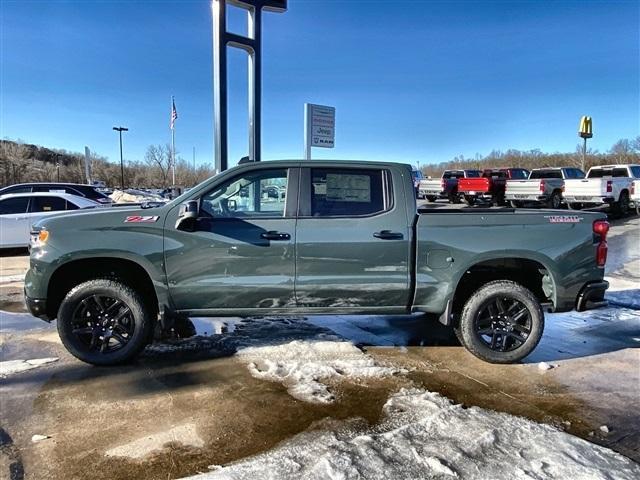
{"x": 37, "y": 307}
{"x": 526, "y": 197}
{"x": 592, "y": 296}
{"x": 589, "y": 199}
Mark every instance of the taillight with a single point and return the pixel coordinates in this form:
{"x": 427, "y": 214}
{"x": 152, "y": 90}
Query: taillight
{"x": 443, "y": 184}
{"x": 609, "y": 186}
{"x": 601, "y": 228}
{"x": 542, "y": 185}
{"x": 633, "y": 188}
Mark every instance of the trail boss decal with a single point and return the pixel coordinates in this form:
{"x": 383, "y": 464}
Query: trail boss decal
{"x": 564, "y": 218}
{"x": 141, "y": 219}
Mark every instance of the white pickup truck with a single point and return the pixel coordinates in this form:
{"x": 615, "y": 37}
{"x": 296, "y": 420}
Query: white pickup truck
{"x": 544, "y": 186}
{"x": 613, "y": 185}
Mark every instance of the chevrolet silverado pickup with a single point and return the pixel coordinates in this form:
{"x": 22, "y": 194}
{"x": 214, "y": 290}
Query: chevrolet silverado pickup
{"x": 544, "y": 186}
{"x": 490, "y": 187}
{"x": 341, "y": 238}
{"x": 446, "y": 186}
{"x": 613, "y": 185}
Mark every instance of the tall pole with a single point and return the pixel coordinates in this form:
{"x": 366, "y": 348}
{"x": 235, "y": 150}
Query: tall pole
{"x": 120, "y": 130}
{"x": 173, "y": 156}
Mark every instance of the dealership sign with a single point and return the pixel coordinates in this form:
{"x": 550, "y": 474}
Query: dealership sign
{"x": 319, "y": 127}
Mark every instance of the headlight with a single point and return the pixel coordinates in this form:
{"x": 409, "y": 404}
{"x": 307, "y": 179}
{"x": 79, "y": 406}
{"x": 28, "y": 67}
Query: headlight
{"x": 39, "y": 237}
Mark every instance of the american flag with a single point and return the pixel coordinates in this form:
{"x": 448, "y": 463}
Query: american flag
{"x": 174, "y": 113}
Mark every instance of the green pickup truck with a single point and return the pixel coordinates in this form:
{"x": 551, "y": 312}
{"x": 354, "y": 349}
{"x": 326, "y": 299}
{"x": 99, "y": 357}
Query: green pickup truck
{"x": 311, "y": 237}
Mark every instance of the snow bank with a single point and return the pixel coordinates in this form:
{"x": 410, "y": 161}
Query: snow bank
{"x": 302, "y": 366}
{"x": 426, "y": 436}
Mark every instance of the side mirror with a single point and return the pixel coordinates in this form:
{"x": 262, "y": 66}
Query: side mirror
{"x": 187, "y": 216}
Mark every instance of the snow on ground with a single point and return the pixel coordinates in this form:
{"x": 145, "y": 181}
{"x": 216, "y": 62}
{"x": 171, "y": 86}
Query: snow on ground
{"x": 10, "y": 367}
{"x": 303, "y": 366}
{"x": 424, "y": 435}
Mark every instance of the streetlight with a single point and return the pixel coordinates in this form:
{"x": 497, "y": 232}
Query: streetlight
{"x": 120, "y": 130}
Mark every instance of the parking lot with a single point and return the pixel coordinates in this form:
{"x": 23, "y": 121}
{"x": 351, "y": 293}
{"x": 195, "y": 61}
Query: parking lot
{"x": 190, "y": 406}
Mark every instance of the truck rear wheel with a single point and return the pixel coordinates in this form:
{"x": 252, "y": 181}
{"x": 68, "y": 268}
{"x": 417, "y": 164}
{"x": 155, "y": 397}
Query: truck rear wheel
{"x": 104, "y": 322}
{"x": 555, "y": 201}
{"x": 501, "y": 322}
{"x": 621, "y": 207}
{"x": 431, "y": 198}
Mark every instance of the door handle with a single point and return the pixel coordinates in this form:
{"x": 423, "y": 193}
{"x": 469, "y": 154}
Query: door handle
{"x": 273, "y": 235}
{"x": 388, "y": 235}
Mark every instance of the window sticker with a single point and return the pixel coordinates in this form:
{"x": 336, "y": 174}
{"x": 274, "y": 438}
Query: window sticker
{"x": 348, "y": 188}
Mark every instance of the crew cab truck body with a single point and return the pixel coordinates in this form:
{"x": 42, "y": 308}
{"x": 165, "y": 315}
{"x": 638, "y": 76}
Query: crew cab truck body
{"x": 447, "y": 186}
{"x": 613, "y": 185}
{"x": 544, "y": 186}
{"x": 345, "y": 238}
{"x": 490, "y": 187}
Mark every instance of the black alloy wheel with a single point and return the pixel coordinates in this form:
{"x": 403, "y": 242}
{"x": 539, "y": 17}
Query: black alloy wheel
{"x": 102, "y": 323}
{"x": 503, "y": 324}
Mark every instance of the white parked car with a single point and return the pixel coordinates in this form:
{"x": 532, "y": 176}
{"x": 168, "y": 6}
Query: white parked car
{"x": 18, "y": 211}
{"x": 613, "y": 185}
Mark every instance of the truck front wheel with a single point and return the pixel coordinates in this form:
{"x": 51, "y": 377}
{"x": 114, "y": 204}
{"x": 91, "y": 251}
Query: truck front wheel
{"x": 502, "y": 322}
{"x": 104, "y": 322}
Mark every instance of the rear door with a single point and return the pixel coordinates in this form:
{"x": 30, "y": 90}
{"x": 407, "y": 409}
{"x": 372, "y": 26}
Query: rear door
{"x": 352, "y": 239}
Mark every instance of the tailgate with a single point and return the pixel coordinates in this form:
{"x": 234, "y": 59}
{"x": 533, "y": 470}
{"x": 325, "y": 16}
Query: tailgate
{"x": 523, "y": 187}
{"x": 586, "y": 187}
{"x": 431, "y": 185}
{"x": 473, "y": 185}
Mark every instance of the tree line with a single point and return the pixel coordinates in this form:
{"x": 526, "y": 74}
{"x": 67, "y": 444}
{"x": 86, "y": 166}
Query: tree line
{"x": 21, "y": 162}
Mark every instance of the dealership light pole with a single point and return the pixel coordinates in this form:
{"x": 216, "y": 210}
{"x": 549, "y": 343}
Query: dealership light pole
{"x": 120, "y": 130}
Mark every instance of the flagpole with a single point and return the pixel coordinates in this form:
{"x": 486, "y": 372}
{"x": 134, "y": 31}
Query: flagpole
{"x": 173, "y": 144}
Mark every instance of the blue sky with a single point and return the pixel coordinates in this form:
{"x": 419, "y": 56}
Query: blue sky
{"x": 412, "y": 81}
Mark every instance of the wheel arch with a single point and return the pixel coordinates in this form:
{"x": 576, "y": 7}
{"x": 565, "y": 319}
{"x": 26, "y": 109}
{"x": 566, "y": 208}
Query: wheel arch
{"x": 531, "y": 271}
{"x": 130, "y": 272}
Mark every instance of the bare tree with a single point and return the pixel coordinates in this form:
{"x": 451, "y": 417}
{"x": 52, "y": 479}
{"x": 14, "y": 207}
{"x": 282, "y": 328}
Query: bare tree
{"x": 159, "y": 158}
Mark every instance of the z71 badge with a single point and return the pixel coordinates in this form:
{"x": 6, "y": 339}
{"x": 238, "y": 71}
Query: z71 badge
{"x": 564, "y": 218}
{"x": 141, "y": 219}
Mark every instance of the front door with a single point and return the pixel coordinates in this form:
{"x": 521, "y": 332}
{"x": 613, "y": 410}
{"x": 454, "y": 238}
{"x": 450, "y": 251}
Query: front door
{"x": 353, "y": 240}
{"x": 241, "y": 254}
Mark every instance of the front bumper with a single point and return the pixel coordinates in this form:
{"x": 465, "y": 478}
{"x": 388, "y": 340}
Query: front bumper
{"x": 37, "y": 307}
{"x": 592, "y": 296}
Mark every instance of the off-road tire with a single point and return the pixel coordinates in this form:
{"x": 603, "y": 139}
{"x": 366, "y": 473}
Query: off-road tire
{"x": 465, "y": 330}
{"x": 140, "y": 315}
{"x": 431, "y": 198}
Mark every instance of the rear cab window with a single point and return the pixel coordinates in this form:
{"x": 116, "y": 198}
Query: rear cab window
{"x": 349, "y": 192}
{"x": 541, "y": 174}
{"x": 519, "y": 174}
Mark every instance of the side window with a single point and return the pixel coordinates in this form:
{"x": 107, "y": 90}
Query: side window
{"x": 347, "y": 192}
{"x": 635, "y": 171}
{"x": 260, "y": 193}
{"x": 17, "y": 189}
{"x": 47, "y": 204}
{"x": 14, "y": 205}
{"x": 620, "y": 172}
{"x": 71, "y": 206}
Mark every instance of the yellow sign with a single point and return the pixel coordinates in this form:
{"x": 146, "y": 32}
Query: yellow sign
{"x": 586, "y": 127}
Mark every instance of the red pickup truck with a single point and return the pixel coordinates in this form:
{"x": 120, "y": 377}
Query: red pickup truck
{"x": 490, "y": 186}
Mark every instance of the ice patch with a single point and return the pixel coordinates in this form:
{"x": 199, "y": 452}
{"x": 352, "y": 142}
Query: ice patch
{"x": 302, "y": 366}
{"x": 184, "y": 434}
{"x": 10, "y": 367}
{"x": 424, "y": 435}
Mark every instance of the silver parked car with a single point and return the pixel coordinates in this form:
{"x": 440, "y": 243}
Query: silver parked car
{"x": 18, "y": 211}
